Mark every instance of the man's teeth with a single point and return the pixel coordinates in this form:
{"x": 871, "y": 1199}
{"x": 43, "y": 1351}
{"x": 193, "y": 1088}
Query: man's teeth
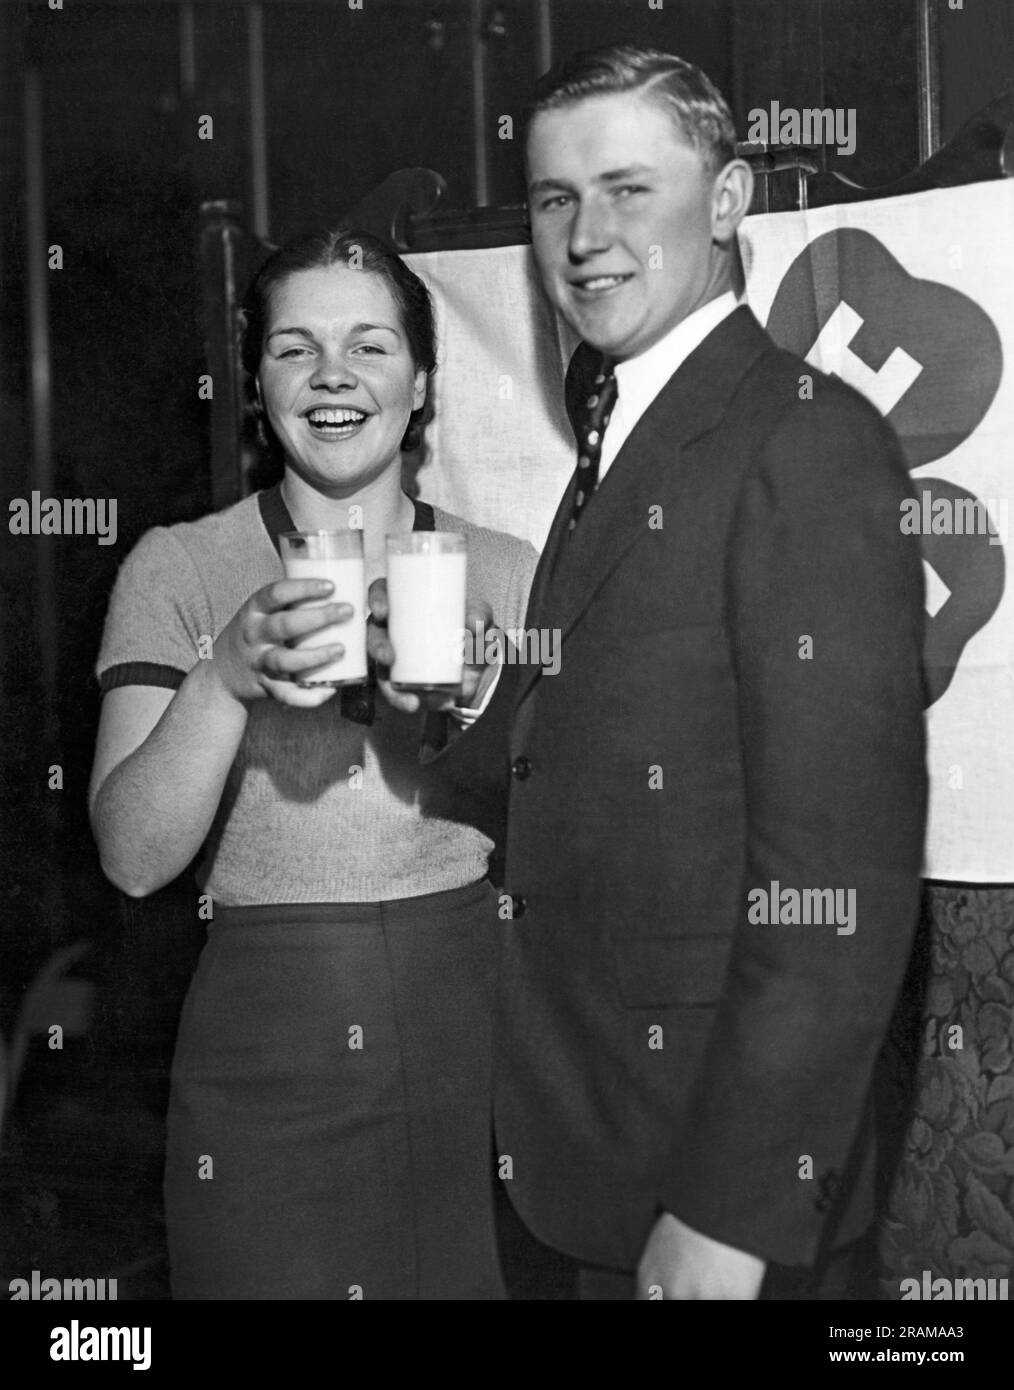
{"x": 336, "y": 417}
{"x": 602, "y": 282}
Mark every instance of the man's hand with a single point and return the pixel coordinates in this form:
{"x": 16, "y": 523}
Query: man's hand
{"x": 478, "y": 619}
{"x": 685, "y": 1264}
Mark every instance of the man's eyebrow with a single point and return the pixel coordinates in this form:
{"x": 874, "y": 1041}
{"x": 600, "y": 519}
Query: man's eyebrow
{"x": 610, "y": 176}
{"x": 632, "y": 171}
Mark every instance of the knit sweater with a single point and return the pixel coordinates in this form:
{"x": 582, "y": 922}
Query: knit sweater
{"x": 316, "y": 808}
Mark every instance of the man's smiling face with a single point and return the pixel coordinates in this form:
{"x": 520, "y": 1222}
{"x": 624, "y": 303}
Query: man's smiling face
{"x": 621, "y": 213}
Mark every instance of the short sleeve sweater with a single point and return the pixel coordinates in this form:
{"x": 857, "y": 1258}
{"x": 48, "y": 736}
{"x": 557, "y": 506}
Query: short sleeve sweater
{"x": 316, "y": 807}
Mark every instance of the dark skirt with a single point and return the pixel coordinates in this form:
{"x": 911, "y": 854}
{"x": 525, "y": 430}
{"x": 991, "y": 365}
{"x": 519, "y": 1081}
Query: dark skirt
{"x": 329, "y": 1120}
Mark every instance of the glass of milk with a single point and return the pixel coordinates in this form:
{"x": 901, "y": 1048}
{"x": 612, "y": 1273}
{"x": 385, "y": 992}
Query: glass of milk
{"x": 338, "y": 556}
{"x": 426, "y": 600}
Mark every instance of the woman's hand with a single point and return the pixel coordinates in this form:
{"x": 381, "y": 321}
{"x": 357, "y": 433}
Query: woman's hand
{"x": 252, "y": 655}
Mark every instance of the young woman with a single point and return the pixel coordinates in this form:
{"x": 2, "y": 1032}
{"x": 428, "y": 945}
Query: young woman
{"x": 328, "y": 1130}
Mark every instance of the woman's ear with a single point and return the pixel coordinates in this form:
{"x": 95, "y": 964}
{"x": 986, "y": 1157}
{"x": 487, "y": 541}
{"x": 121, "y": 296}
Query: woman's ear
{"x": 419, "y": 391}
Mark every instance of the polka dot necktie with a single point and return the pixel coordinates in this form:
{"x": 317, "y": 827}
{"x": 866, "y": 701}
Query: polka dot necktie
{"x": 592, "y": 419}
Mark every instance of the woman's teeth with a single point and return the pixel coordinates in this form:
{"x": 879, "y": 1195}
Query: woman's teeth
{"x": 336, "y": 423}
{"x": 336, "y": 417}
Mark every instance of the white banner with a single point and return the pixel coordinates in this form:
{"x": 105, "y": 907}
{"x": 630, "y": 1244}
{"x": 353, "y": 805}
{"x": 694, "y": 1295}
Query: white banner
{"x": 500, "y": 449}
{"x": 911, "y": 300}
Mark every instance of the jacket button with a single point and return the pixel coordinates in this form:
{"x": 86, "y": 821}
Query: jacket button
{"x": 521, "y": 767}
{"x": 518, "y": 906}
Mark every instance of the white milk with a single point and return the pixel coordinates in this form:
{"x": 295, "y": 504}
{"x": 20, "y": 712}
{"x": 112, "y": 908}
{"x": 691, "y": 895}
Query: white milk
{"x": 426, "y": 594}
{"x": 348, "y": 575}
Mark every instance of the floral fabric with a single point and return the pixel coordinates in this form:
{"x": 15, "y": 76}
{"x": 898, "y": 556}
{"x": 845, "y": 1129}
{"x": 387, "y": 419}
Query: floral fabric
{"x": 951, "y": 1207}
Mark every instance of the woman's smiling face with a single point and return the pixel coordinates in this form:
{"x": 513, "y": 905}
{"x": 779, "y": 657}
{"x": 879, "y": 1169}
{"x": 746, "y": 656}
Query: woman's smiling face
{"x": 337, "y": 378}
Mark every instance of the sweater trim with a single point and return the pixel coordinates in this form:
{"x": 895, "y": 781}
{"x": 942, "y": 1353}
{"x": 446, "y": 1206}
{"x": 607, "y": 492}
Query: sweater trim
{"x": 141, "y": 673}
{"x": 276, "y": 520}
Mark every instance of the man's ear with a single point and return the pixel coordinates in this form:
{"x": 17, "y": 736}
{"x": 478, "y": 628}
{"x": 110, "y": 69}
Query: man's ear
{"x": 731, "y": 199}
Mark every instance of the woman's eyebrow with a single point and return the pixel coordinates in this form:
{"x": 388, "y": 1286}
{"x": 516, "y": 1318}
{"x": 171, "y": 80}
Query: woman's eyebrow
{"x": 300, "y": 332}
{"x": 545, "y": 185}
{"x": 356, "y": 328}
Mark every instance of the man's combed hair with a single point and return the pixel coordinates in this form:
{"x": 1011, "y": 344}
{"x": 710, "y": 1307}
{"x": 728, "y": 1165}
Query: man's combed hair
{"x": 675, "y": 86}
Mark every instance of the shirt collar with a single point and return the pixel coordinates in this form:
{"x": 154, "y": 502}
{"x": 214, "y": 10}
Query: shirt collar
{"x": 639, "y": 379}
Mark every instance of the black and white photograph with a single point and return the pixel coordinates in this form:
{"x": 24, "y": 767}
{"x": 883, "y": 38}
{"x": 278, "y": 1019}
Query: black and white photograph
{"x": 507, "y": 663}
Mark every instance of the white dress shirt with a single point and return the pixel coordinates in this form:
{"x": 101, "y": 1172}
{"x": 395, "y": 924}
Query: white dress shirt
{"x": 640, "y": 379}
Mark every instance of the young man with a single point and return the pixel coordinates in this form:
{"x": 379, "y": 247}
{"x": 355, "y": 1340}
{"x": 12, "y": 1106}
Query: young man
{"x": 716, "y": 806}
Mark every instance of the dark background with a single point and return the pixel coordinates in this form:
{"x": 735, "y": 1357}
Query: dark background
{"x": 350, "y": 96}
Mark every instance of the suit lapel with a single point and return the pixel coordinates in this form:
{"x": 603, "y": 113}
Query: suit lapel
{"x": 555, "y": 541}
{"x": 693, "y": 401}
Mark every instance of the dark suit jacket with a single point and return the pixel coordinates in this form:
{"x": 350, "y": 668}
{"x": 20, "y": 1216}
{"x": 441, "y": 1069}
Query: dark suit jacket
{"x": 684, "y": 665}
